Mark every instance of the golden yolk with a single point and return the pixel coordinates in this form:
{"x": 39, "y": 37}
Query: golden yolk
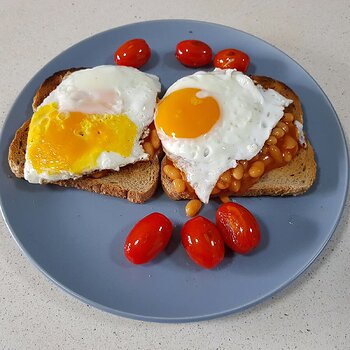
{"x": 183, "y": 114}
{"x": 73, "y": 141}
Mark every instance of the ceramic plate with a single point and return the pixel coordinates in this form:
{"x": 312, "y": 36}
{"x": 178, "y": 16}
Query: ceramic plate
{"x": 76, "y": 238}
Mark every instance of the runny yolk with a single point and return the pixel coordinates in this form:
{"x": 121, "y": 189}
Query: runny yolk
{"x": 186, "y": 114}
{"x": 73, "y": 141}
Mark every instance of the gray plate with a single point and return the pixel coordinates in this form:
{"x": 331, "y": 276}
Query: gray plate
{"x": 76, "y": 238}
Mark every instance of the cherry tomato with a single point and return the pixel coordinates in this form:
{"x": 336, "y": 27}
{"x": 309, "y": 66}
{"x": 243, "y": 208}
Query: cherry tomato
{"x": 133, "y": 53}
{"x": 238, "y": 226}
{"x": 203, "y": 242}
{"x": 148, "y": 238}
{"x": 193, "y": 53}
{"x": 232, "y": 58}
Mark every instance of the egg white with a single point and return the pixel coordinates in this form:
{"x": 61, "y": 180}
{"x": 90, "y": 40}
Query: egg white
{"x": 104, "y": 90}
{"x": 248, "y": 115}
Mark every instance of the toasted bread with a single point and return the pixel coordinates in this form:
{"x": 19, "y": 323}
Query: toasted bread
{"x": 292, "y": 179}
{"x": 135, "y": 182}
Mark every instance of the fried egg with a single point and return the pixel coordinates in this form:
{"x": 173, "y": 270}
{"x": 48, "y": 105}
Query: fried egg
{"x": 93, "y": 120}
{"x": 210, "y": 120}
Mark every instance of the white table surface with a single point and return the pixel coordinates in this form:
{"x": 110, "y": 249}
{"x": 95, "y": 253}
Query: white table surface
{"x": 312, "y": 313}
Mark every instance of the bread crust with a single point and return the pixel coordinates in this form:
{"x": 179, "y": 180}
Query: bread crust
{"x": 49, "y": 85}
{"x": 294, "y": 178}
{"x": 136, "y": 182}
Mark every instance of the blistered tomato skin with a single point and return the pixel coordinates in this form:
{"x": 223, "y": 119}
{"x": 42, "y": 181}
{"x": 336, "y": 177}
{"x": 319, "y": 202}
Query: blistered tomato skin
{"x": 193, "y": 53}
{"x": 238, "y": 227}
{"x": 232, "y": 59}
{"x": 203, "y": 242}
{"x": 148, "y": 238}
{"x": 133, "y": 53}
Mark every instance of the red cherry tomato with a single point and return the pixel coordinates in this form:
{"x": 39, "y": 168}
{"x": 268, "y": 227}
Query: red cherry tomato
{"x": 238, "y": 226}
{"x": 232, "y": 58}
{"x": 133, "y": 53}
{"x": 193, "y": 53}
{"x": 148, "y": 238}
{"x": 203, "y": 242}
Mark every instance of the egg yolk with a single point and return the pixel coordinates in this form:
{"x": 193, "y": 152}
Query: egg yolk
{"x": 73, "y": 141}
{"x": 186, "y": 114}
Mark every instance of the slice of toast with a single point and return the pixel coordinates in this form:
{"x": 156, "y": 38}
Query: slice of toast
{"x": 292, "y": 179}
{"x": 136, "y": 182}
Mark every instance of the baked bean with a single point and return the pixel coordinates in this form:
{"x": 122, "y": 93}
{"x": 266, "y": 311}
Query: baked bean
{"x": 257, "y": 169}
{"x": 148, "y": 148}
{"x": 172, "y": 172}
{"x": 222, "y": 185}
{"x": 272, "y": 140}
{"x": 155, "y": 139}
{"x": 225, "y": 199}
{"x": 289, "y": 142}
{"x": 226, "y": 176}
{"x": 215, "y": 190}
{"x": 238, "y": 171}
{"x": 179, "y": 185}
{"x": 287, "y": 156}
{"x": 235, "y": 186}
{"x": 275, "y": 153}
{"x": 193, "y": 207}
{"x": 278, "y": 132}
{"x": 288, "y": 117}
{"x": 283, "y": 126}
